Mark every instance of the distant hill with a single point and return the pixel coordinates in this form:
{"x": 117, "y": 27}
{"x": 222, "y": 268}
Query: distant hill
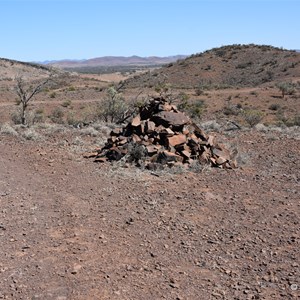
{"x": 9, "y": 69}
{"x": 234, "y": 65}
{"x": 111, "y": 61}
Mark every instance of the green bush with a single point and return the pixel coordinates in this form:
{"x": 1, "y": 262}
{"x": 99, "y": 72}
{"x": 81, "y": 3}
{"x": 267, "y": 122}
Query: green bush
{"x": 113, "y": 108}
{"x": 252, "y": 117}
{"x": 194, "y": 109}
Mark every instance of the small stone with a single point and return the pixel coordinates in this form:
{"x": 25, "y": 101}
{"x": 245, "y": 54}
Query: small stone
{"x": 76, "y": 269}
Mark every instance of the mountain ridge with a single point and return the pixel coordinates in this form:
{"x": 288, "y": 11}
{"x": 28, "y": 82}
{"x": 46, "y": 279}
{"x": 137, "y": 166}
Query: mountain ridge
{"x": 114, "y": 61}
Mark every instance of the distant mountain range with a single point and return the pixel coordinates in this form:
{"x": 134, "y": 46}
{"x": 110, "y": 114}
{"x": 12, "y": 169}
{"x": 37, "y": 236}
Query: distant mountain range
{"x": 110, "y": 61}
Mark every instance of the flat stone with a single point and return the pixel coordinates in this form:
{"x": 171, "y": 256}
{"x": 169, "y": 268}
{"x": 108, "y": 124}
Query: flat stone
{"x": 221, "y": 160}
{"x": 149, "y": 126}
{"x": 186, "y": 153}
{"x": 136, "y": 138}
{"x": 211, "y": 140}
{"x": 151, "y": 149}
{"x": 167, "y": 118}
{"x": 177, "y": 140}
{"x": 168, "y": 132}
{"x": 90, "y": 154}
{"x": 221, "y": 152}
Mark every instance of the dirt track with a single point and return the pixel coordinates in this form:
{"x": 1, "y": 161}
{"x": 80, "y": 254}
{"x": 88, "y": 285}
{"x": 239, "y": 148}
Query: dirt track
{"x": 72, "y": 229}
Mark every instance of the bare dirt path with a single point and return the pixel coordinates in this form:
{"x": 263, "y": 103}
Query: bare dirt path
{"x": 72, "y": 229}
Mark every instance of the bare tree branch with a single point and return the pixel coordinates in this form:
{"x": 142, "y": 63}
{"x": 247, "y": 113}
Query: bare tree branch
{"x": 26, "y": 94}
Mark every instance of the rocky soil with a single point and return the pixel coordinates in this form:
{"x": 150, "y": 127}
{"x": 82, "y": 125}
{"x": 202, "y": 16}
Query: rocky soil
{"x": 74, "y": 229}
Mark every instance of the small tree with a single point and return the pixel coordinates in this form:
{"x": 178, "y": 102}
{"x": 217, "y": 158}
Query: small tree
{"x": 114, "y": 107}
{"x": 286, "y": 88}
{"x": 26, "y": 93}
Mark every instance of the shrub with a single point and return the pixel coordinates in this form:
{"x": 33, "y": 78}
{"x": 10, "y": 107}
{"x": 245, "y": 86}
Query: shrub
{"x": 286, "y": 88}
{"x": 52, "y": 95}
{"x": 32, "y": 135}
{"x": 231, "y": 110}
{"x": 16, "y": 116}
{"x": 71, "y": 89}
{"x": 36, "y": 116}
{"x": 211, "y": 126}
{"x": 57, "y": 116}
{"x": 274, "y": 107}
{"x": 66, "y": 103}
{"x": 89, "y": 131}
{"x": 252, "y": 117}
{"x": 113, "y": 108}
{"x": 193, "y": 109}
{"x": 136, "y": 153}
{"x": 297, "y": 120}
{"x": 7, "y": 129}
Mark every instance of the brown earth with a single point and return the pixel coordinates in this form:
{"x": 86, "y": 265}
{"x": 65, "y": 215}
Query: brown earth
{"x": 73, "y": 229}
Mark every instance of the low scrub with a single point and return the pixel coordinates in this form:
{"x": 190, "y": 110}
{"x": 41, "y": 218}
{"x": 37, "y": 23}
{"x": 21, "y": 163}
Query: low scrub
{"x": 252, "y": 117}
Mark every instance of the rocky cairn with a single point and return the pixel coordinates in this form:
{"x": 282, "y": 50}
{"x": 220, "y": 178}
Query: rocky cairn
{"x": 162, "y": 135}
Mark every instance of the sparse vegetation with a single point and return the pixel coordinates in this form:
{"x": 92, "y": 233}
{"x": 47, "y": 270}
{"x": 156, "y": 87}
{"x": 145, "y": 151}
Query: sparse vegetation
{"x": 286, "y": 88}
{"x": 275, "y": 106}
{"x": 7, "y": 129}
{"x": 194, "y": 108}
{"x": 66, "y": 103}
{"x": 252, "y": 117}
{"x": 57, "y": 115}
{"x": 113, "y": 108}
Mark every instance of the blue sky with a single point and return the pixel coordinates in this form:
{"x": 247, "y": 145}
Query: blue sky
{"x": 77, "y": 29}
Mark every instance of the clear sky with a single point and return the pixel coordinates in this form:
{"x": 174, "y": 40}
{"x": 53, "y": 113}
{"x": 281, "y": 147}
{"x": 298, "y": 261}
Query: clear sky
{"x": 41, "y": 30}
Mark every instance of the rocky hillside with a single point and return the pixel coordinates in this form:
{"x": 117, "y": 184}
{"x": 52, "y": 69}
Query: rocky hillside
{"x": 235, "y": 65}
{"x": 9, "y": 69}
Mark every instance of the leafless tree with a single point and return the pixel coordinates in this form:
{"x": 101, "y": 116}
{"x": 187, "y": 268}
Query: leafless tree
{"x": 26, "y": 92}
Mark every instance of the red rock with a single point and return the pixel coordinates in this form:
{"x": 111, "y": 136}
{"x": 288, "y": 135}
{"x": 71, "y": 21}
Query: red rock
{"x": 186, "y": 154}
{"x": 149, "y": 126}
{"x": 167, "y": 118}
{"x": 136, "y": 138}
{"x": 151, "y": 149}
{"x": 199, "y": 132}
{"x": 167, "y": 132}
{"x": 177, "y": 140}
{"x": 211, "y": 140}
{"x": 136, "y": 121}
{"x": 122, "y": 141}
{"x": 221, "y": 160}
{"x": 90, "y": 154}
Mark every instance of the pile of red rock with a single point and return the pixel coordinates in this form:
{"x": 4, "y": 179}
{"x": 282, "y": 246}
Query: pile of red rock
{"x": 167, "y": 136}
